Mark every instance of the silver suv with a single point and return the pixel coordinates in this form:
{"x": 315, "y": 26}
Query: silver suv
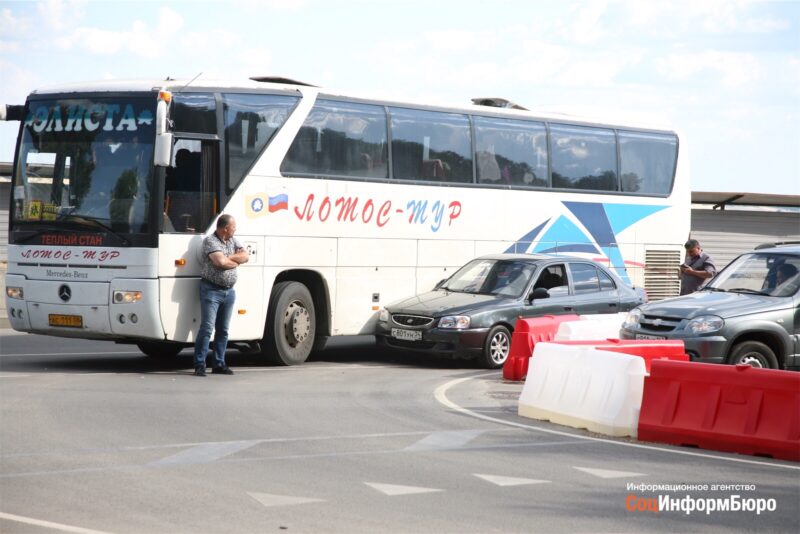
{"x": 748, "y": 313}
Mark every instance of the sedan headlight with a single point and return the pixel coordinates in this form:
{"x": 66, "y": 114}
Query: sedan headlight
{"x": 383, "y": 316}
{"x": 705, "y": 324}
{"x": 458, "y": 322}
{"x": 632, "y": 320}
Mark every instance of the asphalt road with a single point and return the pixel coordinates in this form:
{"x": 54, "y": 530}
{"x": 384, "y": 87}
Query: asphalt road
{"x": 96, "y": 437}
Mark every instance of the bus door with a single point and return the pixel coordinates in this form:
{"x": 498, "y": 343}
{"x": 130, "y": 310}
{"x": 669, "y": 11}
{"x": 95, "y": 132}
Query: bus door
{"x": 191, "y": 186}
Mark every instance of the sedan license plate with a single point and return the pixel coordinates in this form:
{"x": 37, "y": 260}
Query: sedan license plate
{"x": 69, "y": 321}
{"x": 649, "y": 337}
{"x": 406, "y": 335}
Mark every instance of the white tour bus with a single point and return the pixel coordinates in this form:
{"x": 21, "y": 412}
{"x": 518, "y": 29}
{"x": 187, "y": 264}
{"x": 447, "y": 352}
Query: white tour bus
{"x": 344, "y": 204}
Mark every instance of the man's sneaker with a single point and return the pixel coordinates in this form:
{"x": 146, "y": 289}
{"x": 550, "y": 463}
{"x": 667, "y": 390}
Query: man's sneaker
{"x": 223, "y": 370}
{"x": 199, "y": 371}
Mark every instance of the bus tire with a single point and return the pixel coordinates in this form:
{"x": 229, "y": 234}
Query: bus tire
{"x": 160, "y": 349}
{"x": 291, "y": 324}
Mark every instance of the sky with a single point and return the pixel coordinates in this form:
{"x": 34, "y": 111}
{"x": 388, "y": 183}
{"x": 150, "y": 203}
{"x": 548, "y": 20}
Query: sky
{"x": 724, "y": 74}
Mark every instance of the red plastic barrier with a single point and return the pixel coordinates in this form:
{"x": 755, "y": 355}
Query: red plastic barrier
{"x": 735, "y": 409}
{"x": 528, "y": 332}
{"x": 668, "y": 349}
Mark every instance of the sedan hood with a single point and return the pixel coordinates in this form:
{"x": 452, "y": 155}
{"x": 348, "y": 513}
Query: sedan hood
{"x": 724, "y": 305}
{"x": 441, "y": 302}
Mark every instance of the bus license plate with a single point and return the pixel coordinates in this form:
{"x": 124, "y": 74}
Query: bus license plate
{"x": 649, "y": 337}
{"x": 406, "y": 335}
{"x": 70, "y": 321}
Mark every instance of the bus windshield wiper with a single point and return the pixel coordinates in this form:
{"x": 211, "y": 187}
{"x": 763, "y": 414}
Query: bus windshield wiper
{"x": 94, "y": 222}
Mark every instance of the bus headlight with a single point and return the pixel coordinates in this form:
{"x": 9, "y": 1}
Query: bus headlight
{"x": 15, "y": 292}
{"x": 457, "y": 322}
{"x": 705, "y": 324}
{"x": 126, "y": 297}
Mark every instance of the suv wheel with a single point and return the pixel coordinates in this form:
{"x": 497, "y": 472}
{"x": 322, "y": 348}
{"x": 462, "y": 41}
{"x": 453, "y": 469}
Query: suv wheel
{"x": 753, "y": 353}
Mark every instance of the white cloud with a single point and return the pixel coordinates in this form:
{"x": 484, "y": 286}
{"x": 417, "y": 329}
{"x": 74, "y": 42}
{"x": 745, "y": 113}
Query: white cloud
{"x": 9, "y": 46}
{"x": 585, "y": 25}
{"x": 139, "y": 40}
{"x": 736, "y": 69}
{"x": 58, "y": 15}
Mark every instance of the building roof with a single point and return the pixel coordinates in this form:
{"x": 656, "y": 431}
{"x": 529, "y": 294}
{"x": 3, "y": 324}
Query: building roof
{"x": 720, "y": 199}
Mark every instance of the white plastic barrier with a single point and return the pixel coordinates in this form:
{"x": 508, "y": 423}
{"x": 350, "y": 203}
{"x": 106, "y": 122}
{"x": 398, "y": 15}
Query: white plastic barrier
{"x": 583, "y": 387}
{"x": 591, "y": 327}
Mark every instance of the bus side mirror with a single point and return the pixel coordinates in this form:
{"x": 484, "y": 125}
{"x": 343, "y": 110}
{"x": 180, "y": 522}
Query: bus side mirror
{"x": 162, "y": 152}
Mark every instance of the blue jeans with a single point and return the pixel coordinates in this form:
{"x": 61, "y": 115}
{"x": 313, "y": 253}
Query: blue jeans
{"x": 216, "y": 308}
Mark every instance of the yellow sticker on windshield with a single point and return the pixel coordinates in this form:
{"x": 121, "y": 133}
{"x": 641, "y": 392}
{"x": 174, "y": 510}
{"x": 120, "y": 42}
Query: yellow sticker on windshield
{"x": 49, "y": 212}
{"x": 35, "y": 210}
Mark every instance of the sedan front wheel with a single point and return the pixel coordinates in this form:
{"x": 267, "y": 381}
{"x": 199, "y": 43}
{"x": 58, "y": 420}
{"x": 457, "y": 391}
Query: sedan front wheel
{"x": 496, "y": 347}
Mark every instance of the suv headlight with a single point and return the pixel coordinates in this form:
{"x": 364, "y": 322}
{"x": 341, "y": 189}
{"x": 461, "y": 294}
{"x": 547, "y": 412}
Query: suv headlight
{"x": 458, "y": 322}
{"x": 632, "y": 320}
{"x": 383, "y": 316}
{"x": 705, "y": 324}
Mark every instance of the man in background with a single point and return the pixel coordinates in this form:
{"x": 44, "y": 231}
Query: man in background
{"x": 697, "y": 267}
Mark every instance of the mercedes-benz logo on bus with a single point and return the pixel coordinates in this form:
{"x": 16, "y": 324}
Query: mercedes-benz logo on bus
{"x": 64, "y": 292}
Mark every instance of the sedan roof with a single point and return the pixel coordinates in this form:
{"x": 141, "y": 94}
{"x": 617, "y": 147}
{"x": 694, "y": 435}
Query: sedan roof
{"x": 531, "y": 257}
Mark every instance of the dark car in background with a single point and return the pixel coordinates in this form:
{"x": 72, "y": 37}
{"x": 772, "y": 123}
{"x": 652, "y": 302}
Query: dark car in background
{"x": 472, "y": 314}
{"x": 748, "y": 313}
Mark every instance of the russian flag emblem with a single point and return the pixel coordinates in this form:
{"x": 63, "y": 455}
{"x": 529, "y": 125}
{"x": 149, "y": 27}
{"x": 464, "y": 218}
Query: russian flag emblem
{"x": 279, "y": 202}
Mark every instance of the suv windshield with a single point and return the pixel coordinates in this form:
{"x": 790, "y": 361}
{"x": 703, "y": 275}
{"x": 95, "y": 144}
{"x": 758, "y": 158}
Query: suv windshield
{"x": 492, "y": 277}
{"x": 771, "y": 274}
{"x": 86, "y": 162}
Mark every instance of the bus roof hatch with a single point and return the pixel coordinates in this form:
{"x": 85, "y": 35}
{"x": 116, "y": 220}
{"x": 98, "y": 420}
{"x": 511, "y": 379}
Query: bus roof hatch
{"x": 497, "y": 103}
{"x": 279, "y": 79}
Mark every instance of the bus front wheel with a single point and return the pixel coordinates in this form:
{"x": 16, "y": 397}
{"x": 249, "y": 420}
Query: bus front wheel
{"x": 291, "y": 324}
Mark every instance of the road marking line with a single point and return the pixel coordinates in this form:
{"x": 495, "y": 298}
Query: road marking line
{"x": 393, "y": 490}
{"x": 73, "y": 354}
{"x": 207, "y": 452}
{"x": 49, "y": 524}
{"x": 440, "y": 394}
{"x": 510, "y": 481}
{"x": 607, "y": 473}
{"x": 451, "y": 439}
{"x": 268, "y": 499}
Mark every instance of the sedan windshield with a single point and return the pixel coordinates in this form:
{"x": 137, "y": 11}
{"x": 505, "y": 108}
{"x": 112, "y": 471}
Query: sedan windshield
{"x": 775, "y": 275}
{"x": 492, "y": 277}
{"x": 85, "y": 161}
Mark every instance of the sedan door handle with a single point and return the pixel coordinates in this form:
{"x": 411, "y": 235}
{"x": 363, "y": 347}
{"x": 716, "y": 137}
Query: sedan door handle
{"x": 567, "y": 308}
{"x": 613, "y": 304}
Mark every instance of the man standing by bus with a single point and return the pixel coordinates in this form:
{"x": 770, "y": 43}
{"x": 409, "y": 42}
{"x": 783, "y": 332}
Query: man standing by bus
{"x": 222, "y": 254}
{"x": 696, "y": 268}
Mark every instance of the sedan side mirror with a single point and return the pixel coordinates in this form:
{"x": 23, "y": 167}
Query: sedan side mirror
{"x": 539, "y": 293}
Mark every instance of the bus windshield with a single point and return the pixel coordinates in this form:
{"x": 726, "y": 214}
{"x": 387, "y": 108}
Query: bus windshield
{"x": 85, "y": 163}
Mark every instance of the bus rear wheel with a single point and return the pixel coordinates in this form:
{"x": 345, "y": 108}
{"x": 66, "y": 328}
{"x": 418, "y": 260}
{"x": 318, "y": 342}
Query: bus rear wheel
{"x": 291, "y": 324}
{"x": 160, "y": 349}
